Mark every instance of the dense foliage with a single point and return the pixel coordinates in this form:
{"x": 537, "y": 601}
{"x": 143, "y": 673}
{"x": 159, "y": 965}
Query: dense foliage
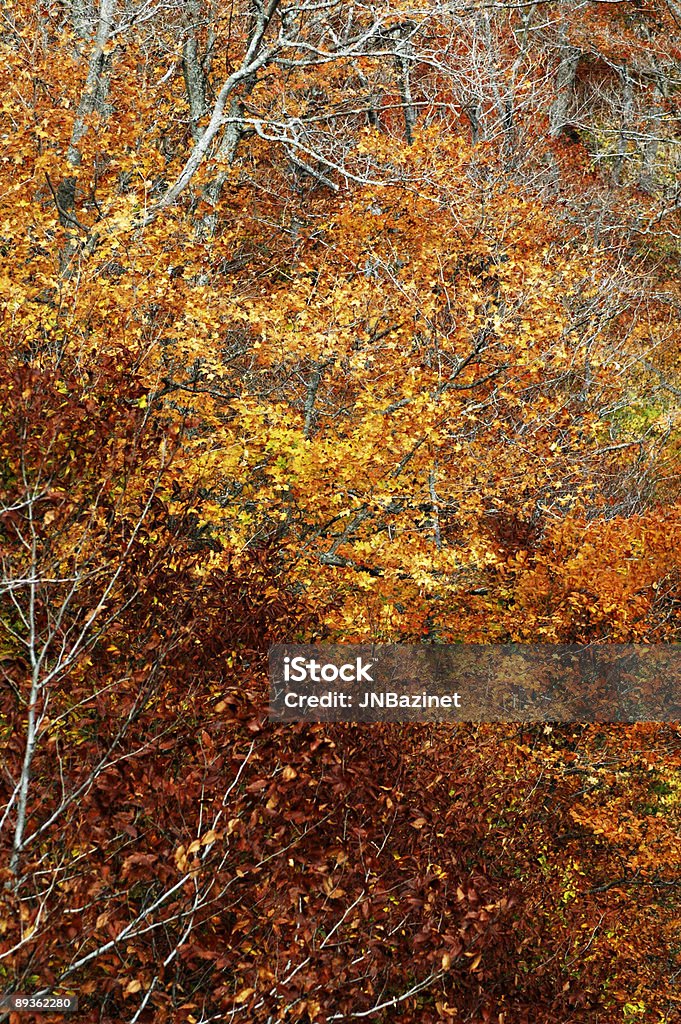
{"x": 334, "y": 322}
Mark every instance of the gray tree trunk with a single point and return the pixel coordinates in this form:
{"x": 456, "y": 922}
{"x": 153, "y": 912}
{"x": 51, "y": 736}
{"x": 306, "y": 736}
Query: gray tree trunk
{"x": 565, "y": 83}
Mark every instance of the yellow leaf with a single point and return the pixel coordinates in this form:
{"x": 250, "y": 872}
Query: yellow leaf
{"x": 242, "y": 996}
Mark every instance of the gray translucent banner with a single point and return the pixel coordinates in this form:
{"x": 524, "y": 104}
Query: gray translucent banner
{"x": 475, "y": 683}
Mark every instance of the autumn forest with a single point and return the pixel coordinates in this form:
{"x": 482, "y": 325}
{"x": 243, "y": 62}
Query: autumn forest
{"x": 334, "y": 322}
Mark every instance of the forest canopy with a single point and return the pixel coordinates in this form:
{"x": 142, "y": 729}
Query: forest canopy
{"x": 340, "y": 323}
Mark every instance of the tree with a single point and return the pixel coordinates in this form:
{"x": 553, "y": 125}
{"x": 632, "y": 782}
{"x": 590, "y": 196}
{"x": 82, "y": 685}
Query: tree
{"x": 333, "y": 324}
